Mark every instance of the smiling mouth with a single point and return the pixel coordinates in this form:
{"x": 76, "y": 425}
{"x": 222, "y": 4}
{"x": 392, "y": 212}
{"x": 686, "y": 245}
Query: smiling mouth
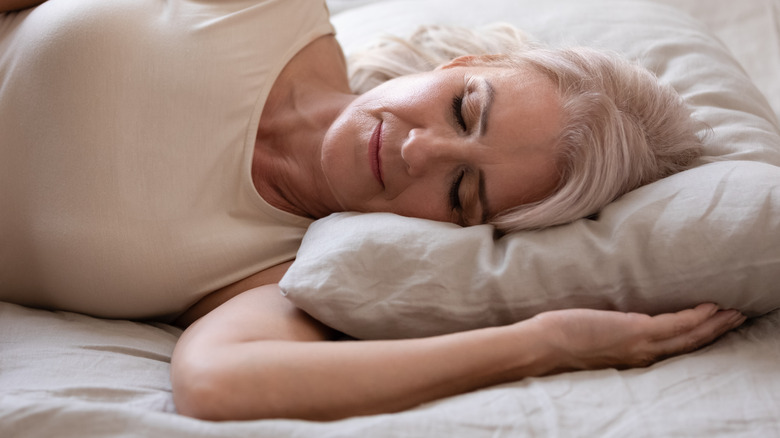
{"x": 374, "y": 146}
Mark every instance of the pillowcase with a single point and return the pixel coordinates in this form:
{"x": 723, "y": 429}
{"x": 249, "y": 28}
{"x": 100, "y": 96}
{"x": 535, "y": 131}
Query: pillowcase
{"x": 711, "y": 233}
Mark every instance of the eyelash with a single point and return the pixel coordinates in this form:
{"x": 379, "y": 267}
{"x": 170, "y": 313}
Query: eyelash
{"x": 455, "y": 190}
{"x": 457, "y": 111}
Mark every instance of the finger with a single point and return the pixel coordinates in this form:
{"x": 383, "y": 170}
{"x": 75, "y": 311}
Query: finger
{"x": 670, "y": 325}
{"x": 702, "y": 334}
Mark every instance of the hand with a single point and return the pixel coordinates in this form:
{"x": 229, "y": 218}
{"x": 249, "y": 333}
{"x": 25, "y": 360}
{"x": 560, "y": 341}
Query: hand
{"x": 591, "y": 339}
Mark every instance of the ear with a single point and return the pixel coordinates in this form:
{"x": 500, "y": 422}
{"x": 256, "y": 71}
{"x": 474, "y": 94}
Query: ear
{"x": 460, "y": 61}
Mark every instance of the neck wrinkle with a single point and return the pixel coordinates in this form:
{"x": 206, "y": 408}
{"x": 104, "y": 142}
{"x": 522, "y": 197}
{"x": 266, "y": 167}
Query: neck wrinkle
{"x": 286, "y": 165}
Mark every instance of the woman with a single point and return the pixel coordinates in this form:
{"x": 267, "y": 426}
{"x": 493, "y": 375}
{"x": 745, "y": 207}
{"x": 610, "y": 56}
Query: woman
{"x": 160, "y": 154}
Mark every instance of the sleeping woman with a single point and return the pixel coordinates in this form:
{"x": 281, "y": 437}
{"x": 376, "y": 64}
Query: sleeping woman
{"x": 162, "y": 160}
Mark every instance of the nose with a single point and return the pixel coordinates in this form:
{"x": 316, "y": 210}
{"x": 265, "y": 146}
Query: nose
{"x": 425, "y": 150}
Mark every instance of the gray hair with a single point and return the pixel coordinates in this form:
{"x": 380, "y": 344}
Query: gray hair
{"x": 621, "y": 127}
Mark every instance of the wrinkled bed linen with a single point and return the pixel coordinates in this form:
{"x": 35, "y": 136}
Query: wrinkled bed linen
{"x": 74, "y": 376}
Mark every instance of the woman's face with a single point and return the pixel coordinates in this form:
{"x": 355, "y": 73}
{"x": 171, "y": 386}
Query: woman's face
{"x": 458, "y": 144}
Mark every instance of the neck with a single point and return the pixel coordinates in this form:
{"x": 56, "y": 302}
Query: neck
{"x": 304, "y": 101}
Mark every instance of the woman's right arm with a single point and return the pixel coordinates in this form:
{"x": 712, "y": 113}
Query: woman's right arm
{"x": 257, "y": 356}
{"x": 15, "y": 5}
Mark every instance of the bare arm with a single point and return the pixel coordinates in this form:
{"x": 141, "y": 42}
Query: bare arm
{"x": 257, "y": 356}
{"x": 15, "y": 5}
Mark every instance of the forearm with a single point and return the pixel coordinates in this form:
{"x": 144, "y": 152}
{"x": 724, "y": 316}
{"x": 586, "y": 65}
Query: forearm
{"x": 330, "y": 380}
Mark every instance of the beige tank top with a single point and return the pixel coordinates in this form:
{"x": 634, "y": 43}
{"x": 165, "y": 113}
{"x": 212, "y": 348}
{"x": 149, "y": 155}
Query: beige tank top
{"x": 127, "y": 129}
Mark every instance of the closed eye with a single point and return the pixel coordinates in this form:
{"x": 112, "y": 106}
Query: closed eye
{"x": 455, "y": 191}
{"x": 457, "y": 112}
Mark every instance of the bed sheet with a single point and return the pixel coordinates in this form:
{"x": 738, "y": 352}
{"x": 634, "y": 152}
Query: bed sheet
{"x": 70, "y": 375}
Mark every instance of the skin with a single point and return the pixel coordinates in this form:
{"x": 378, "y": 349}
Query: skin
{"x": 425, "y": 148}
{"x": 498, "y": 155}
{"x": 248, "y": 353}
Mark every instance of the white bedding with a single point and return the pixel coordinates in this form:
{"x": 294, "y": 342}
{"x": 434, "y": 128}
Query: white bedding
{"x": 69, "y": 375}
{"x": 72, "y": 376}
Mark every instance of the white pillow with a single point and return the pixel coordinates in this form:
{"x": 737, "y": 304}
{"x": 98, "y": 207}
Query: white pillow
{"x": 708, "y": 234}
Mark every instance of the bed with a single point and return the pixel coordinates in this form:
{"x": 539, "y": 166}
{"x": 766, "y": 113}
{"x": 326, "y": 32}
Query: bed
{"x": 708, "y": 234}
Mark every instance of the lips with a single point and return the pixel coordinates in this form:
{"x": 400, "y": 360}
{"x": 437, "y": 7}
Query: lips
{"x": 374, "y": 146}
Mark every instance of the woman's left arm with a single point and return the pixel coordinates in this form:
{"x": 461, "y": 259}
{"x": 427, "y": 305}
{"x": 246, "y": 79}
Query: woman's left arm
{"x": 257, "y": 356}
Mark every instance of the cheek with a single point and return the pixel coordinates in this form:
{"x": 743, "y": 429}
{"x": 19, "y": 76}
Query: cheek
{"x": 344, "y": 158}
{"x": 403, "y": 94}
{"x": 419, "y": 202}
{"x": 524, "y": 184}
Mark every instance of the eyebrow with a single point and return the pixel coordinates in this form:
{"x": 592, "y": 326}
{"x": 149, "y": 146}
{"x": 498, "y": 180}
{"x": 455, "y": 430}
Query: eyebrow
{"x": 486, "y": 106}
{"x": 483, "y": 198}
{"x": 484, "y": 115}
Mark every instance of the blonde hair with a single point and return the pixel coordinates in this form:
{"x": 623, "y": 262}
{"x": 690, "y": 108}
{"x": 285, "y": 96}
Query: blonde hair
{"x": 427, "y": 48}
{"x": 621, "y": 127}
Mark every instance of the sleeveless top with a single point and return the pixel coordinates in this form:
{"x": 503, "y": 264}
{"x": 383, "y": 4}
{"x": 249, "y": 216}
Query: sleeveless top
{"x": 127, "y": 129}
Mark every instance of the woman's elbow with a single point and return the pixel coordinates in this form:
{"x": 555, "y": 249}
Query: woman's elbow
{"x": 196, "y": 389}
{"x": 210, "y": 386}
